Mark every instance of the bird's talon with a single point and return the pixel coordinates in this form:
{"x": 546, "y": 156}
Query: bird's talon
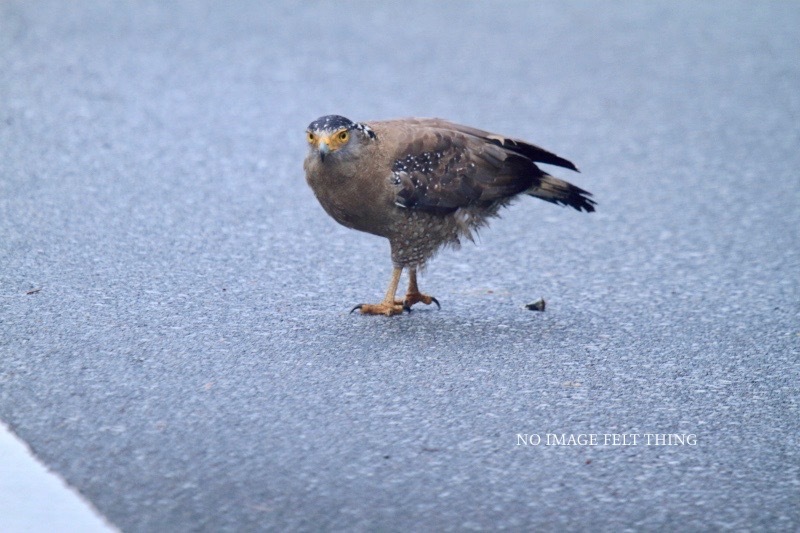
{"x": 359, "y": 306}
{"x": 417, "y": 297}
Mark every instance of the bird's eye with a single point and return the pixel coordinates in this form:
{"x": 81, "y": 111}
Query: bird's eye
{"x": 311, "y": 137}
{"x": 343, "y": 136}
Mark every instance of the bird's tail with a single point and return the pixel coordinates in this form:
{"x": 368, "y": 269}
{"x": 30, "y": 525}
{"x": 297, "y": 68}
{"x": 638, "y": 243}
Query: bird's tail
{"x": 552, "y": 189}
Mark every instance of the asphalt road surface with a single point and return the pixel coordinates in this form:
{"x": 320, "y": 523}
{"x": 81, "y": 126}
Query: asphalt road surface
{"x": 174, "y": 330}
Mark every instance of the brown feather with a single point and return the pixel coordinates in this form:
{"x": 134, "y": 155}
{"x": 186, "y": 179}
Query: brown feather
{"x": 440, "y": 167}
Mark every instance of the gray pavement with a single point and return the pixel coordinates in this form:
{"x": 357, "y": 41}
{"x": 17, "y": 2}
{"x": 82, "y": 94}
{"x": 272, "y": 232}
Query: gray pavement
{"x": 174, "y": 336}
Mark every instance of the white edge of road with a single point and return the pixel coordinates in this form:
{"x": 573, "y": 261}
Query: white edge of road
{"x": 35, "y": 500}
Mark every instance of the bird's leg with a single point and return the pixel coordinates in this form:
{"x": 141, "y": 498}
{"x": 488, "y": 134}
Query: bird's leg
{"x": 388, "y": 306}
{"x": 413, "y": 295}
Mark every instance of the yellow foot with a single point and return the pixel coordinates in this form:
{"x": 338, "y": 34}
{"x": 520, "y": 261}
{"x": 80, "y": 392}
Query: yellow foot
{"x": 417, "y": 297}
{"x": 382, "y": 308}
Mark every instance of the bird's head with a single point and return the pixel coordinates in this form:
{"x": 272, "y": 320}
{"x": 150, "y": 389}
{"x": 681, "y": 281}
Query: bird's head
{"x": 335, "y": 136}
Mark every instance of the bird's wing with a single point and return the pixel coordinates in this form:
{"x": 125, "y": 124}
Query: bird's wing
{"x": 438, "y": 167}
{"x": 533, "y": 152}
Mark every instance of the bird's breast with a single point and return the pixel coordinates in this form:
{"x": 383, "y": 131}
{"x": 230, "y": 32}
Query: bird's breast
{"x": 356, "y": 201}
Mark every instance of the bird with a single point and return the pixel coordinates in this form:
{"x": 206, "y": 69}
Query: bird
{"x": 424, "y": 183}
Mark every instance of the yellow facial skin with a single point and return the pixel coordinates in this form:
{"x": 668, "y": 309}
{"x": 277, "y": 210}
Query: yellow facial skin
{"x": 328, "y": 143}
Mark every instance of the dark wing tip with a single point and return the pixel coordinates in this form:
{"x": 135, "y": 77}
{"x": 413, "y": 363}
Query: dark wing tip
{"x": 561, "y": 162}
{"x": 535, "y": 153}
